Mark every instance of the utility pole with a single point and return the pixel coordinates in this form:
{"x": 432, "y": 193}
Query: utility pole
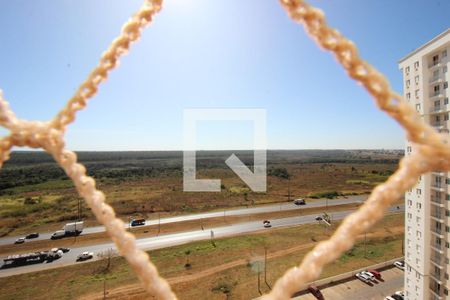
{"x": 289, "y": 188}
{"x": 104, "y": 289}
{"x": 259, "y": 280}
{"x": 265, "y": 267}
{"x": 159, "y": 223}
{"x": 201, "y": 223}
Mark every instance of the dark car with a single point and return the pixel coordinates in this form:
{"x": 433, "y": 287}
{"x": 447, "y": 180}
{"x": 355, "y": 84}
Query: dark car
{"x": 64, "y": 250}
{"x": 319, "y": 218}
{"x": 138, "y": 222}
{"x": 314, "y": 290}
{"x": 32, "y": 235}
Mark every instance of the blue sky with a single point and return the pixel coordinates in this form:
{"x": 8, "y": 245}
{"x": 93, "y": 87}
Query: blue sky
{"x": 209, "y": 54}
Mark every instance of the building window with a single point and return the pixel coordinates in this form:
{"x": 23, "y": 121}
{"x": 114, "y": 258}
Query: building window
{"x": 444, "y": 53}
{"x": 416, "y": 79}
{"x": 407, "y": 70}
{"x": 446, "y": 117}
{"x": 447, "y": 228}
{"x": 409, "y": 215}
{"x": 408, "y": 96}
{"x": 445, "y": 84}
{"x": 437, "y": 103}
{"x": 409, "y": 202}
{"x": 445, "y": 290}
{"x": 419, "y": 205}
{"x": 446, "y": 101}
{"x": 408, "y": 83}
{"x": 436, "y": 89}
{"x": 418, "y": 191}
{"x": 447, "y": 245}
{"x": 417, "y": 94}
{"x": 435, "y": 60}
{"x": 444, "y": 69}
{"x": 418, "y": 220}
{"x": 418, "y": 107}
{"x": 416, "y": 65}
{"x": 408, "y": 149}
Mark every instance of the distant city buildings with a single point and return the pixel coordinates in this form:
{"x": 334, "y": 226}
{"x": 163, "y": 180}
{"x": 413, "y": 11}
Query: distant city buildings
{"x": 427, "y": 221}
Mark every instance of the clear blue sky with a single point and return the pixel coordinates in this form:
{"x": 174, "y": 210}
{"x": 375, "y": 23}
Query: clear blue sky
{"x": 213, "y": 54}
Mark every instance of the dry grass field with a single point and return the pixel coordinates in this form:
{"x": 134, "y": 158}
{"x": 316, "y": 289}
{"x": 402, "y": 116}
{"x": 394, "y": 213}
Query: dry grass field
{"x": 35, "y": 194}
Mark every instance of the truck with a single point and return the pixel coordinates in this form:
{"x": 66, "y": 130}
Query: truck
{"x": 74, "y": 228}
{"x": 69, "y": 229}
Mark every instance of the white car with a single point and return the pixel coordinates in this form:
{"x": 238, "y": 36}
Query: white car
{"x": 400, "y": 293}
{"x": 20, "y": 240}
{"x": 370, "y": 275}
{"x": 363, "y": 277}
{"x": 400, "y": 265}
{"x": 85, "y": 256}
{"x": 267, "y": 224}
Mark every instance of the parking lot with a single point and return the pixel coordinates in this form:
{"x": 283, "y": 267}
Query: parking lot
{"x": 357, "y": 290}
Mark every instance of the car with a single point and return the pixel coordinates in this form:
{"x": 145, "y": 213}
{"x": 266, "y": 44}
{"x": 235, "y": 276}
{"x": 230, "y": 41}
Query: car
{"x": 375, "y": 273}
{"x": 397, "y": 297}
{"x": 85, "y": 256}
{"x": 400, "y": 293}
{"x": 20, "y": 240}
{"x": 32, "y": 235}
{"x": 314, "y": 290}
{"x": 363, "y": 277}
{"x": 55, "y": 253}
{"x": 318, "y": 218}
{"x": 58, "y": 235}
{"x": 299, "y": 201}
{"x": 267, "y": 224}
{"x": 400, "y": 264}
{"x": 370, "y": 275}
{"x": 389, "y": 298}
{"x": 64, "y": 250}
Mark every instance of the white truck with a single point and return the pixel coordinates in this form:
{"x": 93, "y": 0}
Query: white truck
{"x": 69, "y": 229}
{"x": 74, "y": 228}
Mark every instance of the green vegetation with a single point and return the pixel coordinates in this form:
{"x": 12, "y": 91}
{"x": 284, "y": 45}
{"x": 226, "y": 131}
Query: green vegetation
{"x": 325, "y": 194}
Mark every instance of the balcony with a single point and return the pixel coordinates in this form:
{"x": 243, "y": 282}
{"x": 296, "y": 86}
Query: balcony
{"x": 438, "y": 186}
{"x": 436, "y": 96}
{"x": 437, "y": 276}
{"x": 437, "y": 216}
{"x": 435, "y": 80}
{"x": 439, "y": 173}
{"x": 435, "y": 64}
{"x": 439, "y": 109}
{"x": 437, "y": 247}
{"x": 437, "y": 231}
{"x": 437, "y": 259}
{"x": 437, "y": 201}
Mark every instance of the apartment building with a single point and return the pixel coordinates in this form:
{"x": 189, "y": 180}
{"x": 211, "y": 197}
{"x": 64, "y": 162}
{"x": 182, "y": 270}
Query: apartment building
{"x": 427, "y": 205}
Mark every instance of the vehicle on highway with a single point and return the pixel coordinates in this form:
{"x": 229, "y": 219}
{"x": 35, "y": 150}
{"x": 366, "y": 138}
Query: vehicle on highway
{"x": 32, "y": 235}
{"x": 20, "y": 240}
{"x": 370, "y": 275}
{"x": 400, "y": 293}
{"x": 318, "y": 218}
{"x": 85, "y": 256}
{"x": 267, "y": 224}
{"x": 314, "y": 290}
{"x": 138, "y": 222}
{"x": 54, "y": 253}
{"x": 64, "y": 250}
{"x": 363, "y": 277}
{"x": 58, "y": 235}
{"x": 400, "y": 264}
{"x": 74, "y": 228}
{"x": 299, "y": 201}
{"x": 375, "y": 273}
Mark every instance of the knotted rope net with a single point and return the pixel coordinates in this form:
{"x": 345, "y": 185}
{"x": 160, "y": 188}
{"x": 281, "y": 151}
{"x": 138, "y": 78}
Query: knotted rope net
{"x": 431, "y": 151}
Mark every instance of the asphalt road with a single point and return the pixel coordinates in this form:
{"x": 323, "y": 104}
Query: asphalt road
{"x": 163, "y": 241}
{"x": 231, "y": 212}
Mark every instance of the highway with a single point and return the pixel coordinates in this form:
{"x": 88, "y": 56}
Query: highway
{"x": 231, "y": 212}
{"x": 162, "y": 241}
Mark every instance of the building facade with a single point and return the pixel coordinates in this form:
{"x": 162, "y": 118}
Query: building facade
{"x": 427, "y": 205}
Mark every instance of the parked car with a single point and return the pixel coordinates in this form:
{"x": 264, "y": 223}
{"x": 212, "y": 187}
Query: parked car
{"x": 319, "y": 218}
{"x": 299, "y": 201}
{"x": 267, "y": 224}
{"x": 400, "y": 265}
{"x": 370, "y": 275}
{"x": 400, "y": 293}
{"x": 363, "y": 277}
{"x": 314, "y": 290}
{"x": 85, "y": 256}
{"x": 20, "y": 240}
{"x": 32, "y": 235}
{"x": 375, "y": 273}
